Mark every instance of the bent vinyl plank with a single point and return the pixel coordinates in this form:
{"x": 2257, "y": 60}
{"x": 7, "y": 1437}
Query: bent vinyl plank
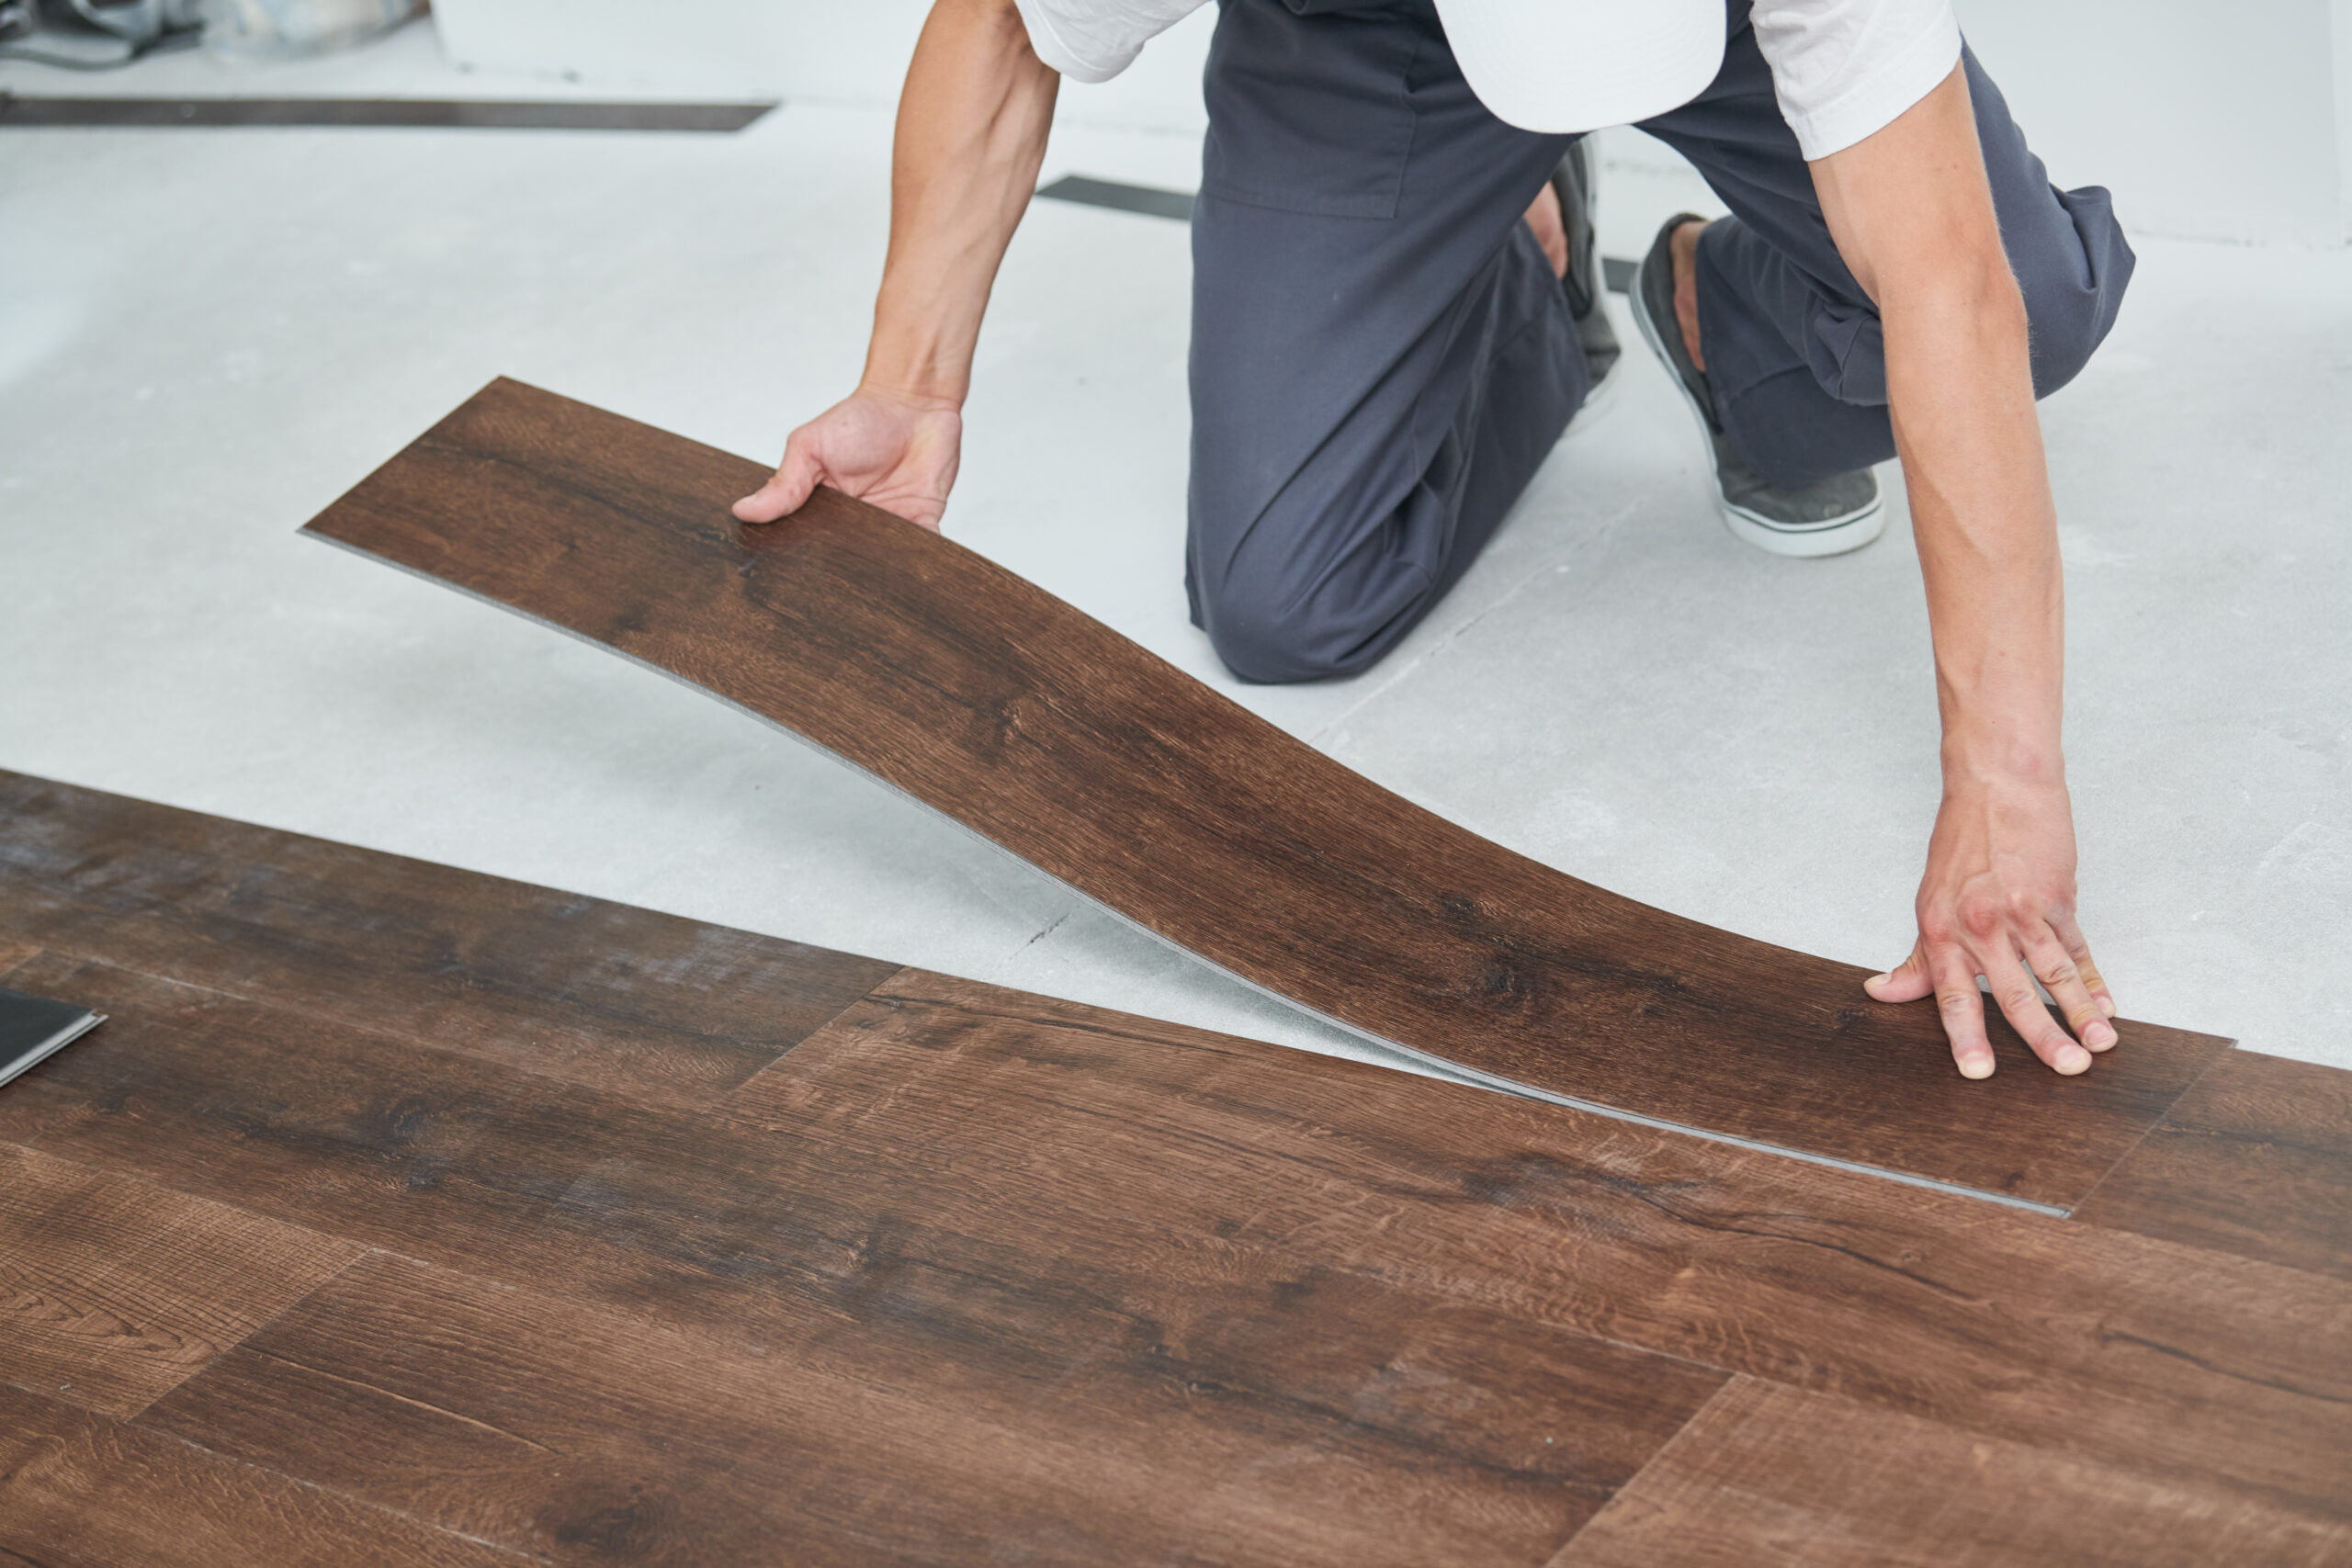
{"x": 604, "y": 993}
{"x": 959, "y": 683}
{"x": 1771, "y": 1477}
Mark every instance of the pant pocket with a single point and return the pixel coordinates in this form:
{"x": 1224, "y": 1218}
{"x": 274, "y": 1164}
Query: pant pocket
{"x": 1313, "y": 112}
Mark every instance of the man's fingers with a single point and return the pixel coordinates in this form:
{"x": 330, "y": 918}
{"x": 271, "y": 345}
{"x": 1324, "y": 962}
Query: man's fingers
{"x": 2021, "y": 1005}
{"x": 2078, "y": 948}
{"x": 1907, "y": 982}
{"x": 2057, "y": 969}
{"x": 1963, "y": 1010}
{"x": 785, "y": 489}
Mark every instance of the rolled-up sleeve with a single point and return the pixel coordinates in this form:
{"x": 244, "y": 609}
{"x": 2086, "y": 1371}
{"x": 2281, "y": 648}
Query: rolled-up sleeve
{"x": 1845, "y": 69}
{"x": 1095, "y": 42}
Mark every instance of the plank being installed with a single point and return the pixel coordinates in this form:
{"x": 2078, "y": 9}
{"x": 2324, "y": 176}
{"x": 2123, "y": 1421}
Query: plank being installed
{"x": 1036, "y": 726}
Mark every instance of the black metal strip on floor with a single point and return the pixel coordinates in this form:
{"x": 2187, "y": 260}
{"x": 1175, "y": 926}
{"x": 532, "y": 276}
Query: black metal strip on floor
{"x": 1150, "y": 200}
{"x": 418, "y": 113}
{"x": 1155, "y": 201}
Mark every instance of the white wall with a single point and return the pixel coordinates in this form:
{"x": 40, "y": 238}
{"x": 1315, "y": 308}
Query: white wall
{"x": 2231, "y": 122}
{"x": 2216, "y": 122}
{"x": 811, "y": 50}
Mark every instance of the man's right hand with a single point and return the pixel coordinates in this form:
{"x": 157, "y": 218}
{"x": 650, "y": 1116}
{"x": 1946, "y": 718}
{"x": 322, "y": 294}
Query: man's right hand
{"x": 898, "y": 451}
{"x": 972, "y": 126}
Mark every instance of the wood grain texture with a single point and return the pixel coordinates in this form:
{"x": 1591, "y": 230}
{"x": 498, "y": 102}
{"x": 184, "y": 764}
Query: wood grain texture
{"x": 967, "y": 1275}
{"x": 982, "y": 696}
{"x": 704, "y": 1226}
{"x": 986, "y": 1112}
{"x": 2256, "y": 1160}
{"x": 1769, "y": 1477}
{"x": 1047, "y": 1216}
{"x": 80, "y": 1490}
{"x": 586, "y": 1437}
{"x": 113, "y": 1291}
{"x": 602, "y": 993}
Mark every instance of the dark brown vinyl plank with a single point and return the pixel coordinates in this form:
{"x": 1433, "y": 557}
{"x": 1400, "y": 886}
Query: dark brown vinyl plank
{"x": 585, "y": 1437}
{"x": 701, "y": 1224}
{"x": 113, "y": 1291}
{"x": 1017, "y": 1205}
{"x": 604, "y": 993}
{"x": 467, "y": 114}
{"x": 80, "y": 1490}
{"x": 954, "y": 681}
{"x": 983, "y": 1109}
{"x": 2256, "y": 1160}
{"x": 1770, "y": 1477}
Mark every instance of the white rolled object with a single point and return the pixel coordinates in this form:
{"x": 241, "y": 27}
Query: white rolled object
{"x": 273, "y": 28}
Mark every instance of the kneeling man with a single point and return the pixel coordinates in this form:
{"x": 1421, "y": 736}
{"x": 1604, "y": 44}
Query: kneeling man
{"x": 1396, "y": 313}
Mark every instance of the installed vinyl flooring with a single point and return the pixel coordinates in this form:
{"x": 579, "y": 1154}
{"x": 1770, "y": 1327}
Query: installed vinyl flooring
{"x": 403, "y": 1214}
{"x": 1047, "y": 732}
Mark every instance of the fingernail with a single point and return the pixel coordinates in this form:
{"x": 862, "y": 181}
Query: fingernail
{"x": 1975, "y": 1067}
{"x": 2073, "y": 1058}
{"x": 2099, "y": 1036}
{"x": 2107, "y": 1007}
{"x": 1877, "y": 979}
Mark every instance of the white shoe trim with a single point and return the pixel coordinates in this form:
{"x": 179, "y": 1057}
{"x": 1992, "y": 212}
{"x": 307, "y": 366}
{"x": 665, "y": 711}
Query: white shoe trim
{"x": 1832, "y": 536}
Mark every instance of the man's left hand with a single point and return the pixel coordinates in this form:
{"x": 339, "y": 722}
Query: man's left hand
{"x": 1998, "y": 900}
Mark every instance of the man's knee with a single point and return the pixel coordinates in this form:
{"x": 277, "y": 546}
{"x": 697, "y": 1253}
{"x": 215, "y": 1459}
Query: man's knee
{"x": 1318, "y": 598}
{"x": 1266, "y": 632}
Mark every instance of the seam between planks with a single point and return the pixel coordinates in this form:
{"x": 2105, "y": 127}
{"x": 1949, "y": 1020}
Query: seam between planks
{"x": 2163, "y": 1121}
{"x": 141, "y": 1179}
{"x": 1560, "y": 1558}
{"x": 352, "y": 1499}
{"x": 346, "y": 1498}
{"x": 213, "y": 1360}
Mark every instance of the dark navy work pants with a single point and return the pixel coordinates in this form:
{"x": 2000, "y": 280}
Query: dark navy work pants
{"x": 1381, "y": 356}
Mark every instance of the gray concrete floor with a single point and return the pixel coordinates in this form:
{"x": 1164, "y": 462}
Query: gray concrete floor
{"x": 206, "y": 336}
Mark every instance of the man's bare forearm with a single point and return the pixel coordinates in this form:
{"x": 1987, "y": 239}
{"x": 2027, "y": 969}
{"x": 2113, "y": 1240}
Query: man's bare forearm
{"x": 1912, "y": 213}
{"x": 972, "y": 128}
{"x": 1960, "y": 386}
{"x": 971, "y": 133}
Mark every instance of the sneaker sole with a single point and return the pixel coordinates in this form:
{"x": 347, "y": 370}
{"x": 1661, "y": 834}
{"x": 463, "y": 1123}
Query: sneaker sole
{"x": 1802, "y": 541}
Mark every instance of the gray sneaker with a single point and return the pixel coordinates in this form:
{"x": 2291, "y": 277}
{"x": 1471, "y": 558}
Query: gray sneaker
{"x": 1573, "y": 182}
{"x": 1828, "y": 517}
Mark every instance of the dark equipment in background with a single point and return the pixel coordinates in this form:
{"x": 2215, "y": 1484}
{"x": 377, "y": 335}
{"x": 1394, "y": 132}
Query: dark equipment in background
{"x": 146, "y": 26}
